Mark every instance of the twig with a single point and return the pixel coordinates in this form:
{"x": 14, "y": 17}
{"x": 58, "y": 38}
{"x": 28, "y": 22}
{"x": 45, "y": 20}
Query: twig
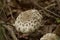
{"x": 11, "y": 32}
{"x": 58, "y": 3}
{"x": 35, "y": 3}
{"x": 10, "y": 12}
{"x": 7, "y": 38}
{"x": 57, "y": 30}
{"x": 46, "y": 13}
{"x": 50, "y": 5}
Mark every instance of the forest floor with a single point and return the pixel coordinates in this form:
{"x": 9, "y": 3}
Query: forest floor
{"x": 10, "y": 9}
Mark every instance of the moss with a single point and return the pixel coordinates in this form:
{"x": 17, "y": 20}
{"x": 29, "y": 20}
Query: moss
{"x": 58, "y": 20}
{"x": 2, "y": 33}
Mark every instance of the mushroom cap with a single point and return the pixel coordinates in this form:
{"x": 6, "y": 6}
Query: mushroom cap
{"x": 50, "y": 36}
{"x": 28, "y": 21}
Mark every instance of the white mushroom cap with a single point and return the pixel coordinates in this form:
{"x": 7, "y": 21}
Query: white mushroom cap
{"x": 28, "y": 21}
{"x": 50, "y": 36}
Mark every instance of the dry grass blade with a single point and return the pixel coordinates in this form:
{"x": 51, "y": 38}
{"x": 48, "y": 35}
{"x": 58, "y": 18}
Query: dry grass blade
{"x": 58, "y": 3}
{"x": 57, "y": 30}
{"x": 50, "y": 5}
{"x": 11, "y": 32}
{"x": 44, "y": 9}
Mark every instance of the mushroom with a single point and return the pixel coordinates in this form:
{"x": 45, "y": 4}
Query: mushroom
{"x": 28, "y": 21}
{"x": 50, "y": 36}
